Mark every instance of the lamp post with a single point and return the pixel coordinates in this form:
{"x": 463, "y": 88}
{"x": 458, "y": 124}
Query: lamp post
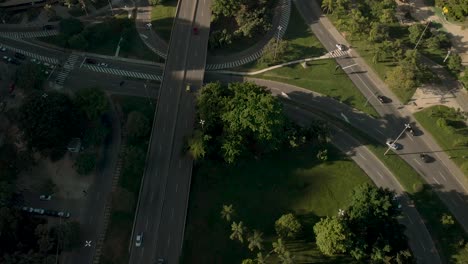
{"x": 407, "y": 126}
{"x": 202, "y": 122}
{"x": 110, "y": 5}
{"x": 422, "y": 34}
{"x": 277, "y": 41}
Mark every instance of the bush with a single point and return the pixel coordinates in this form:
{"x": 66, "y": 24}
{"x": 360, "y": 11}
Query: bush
{"x": 78, "y": 42}
{"x": 70, "y": 26}
{"x": 454, "y": 63}
{"x": 85, "y": 163}
{"x": 138, "y": 126}
{"x": 287, "y": 226}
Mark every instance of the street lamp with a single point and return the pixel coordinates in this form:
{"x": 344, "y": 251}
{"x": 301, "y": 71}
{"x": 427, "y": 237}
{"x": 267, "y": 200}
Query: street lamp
{"x": 277, "y": 41}
{"x": 202, "y": 122}
{"x": 407, "y": 126}
{"x": 110, "y": 5}
{"x": 422, "y": 34}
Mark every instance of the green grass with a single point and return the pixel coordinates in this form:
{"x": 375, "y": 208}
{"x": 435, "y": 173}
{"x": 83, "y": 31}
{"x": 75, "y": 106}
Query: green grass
{"x": 320, "y": 75}
{"x": 261, "y": 191}
{"x": 162, "y": 18}
{"x": 452, "y": 137}
{"x": 124, "y": 198}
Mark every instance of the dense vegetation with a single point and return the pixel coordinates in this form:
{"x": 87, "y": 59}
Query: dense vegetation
{"x": 244, "y": 120}
{"x": 233, "y": 19}
{"x": 457, "y": 9}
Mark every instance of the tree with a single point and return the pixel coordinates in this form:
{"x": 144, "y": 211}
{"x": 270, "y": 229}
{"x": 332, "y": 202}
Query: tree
{"x": 251, "y": 22}
{"x": 401, "y": 78}
{"x": 197, "y": 145}
{"x": 138, "y": 126}
{"x": 49, "y": 121}
{"x": 92, "y": 101}
{"x": 78, "y": 42}
{"x": 464, "y": 78}
{"x": 227, "y": 212}
{"x": 69, "y": 236}
{"x": 287, "y": 226}
{"x": 279, "y": 247}
{"x": 255, "y": 240}
{"x": 462, "y": 255}
{"x": 260, "y": 258}
{"x": 328, "y": 5}
{"x": 357, "y": 24}
{"x": 447, "y": 220}
{"x": 332, "y": 236}
{"x": 322, "y": 155}
{"x": 29, "y": 76}
{"x": 134, "y": 165}
{"x": 70, "y": 26}
{"x": 248, "y": 261}
{"x": 286, "y": 258}
{"x": 415, "y": 32}
{"x": 85, "y": 163}
{"x": 274, "y": 51}
{"x": 225, "y": 8}
{"x": 454, "y": 63}
{"x": 238, "y": 230}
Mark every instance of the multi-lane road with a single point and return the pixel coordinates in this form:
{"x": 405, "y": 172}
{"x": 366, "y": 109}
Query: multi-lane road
{"x": 165, "y": 187}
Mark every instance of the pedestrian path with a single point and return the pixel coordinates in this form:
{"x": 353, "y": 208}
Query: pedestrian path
{"x": 66, "y": 69}
{"x": 338, "y": 53}
{"x": 30, "y": 34}
{"x": 32, "y": 55}
{"x": 277, "y": 31}
{"x": 131, "y": 74}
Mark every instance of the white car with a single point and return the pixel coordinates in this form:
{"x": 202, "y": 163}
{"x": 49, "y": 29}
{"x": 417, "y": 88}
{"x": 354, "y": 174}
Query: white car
{"x": 45, "y": 197}
{"x": 2, "y": 48}
{"x": 102, "y": 64}
{"x": 391, "y": 144}
{"x": 38, "y": 211}
{"x": 138, "y": 240}
{"x": 63, "y": 214}
{"x": 340, "y": 47}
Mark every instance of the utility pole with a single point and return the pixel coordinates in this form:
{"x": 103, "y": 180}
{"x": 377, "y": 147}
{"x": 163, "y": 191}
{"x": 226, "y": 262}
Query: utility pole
{"x": 407, "y": 126}
{"x": 422, "y": 34}
{"x": 277, "y": 41}
{"x": 110, "y": 5}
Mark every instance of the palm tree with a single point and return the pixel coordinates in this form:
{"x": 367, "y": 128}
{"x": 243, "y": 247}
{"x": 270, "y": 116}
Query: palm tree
{"x": 286, "y": 258}
{"x": 227, "y": 212}
{"x": 237, "y": 231}
{"x": 328, "y": 5}
{"x": 260, "y": 258}
{"x": 255, "y": 240}
{"x": 278, "y": 247}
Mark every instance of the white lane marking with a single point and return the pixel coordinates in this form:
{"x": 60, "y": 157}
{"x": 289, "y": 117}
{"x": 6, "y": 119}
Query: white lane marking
{"x": 381, "y": 176}
{"x": 411, "y": 137}
{"x": 176, "y": 187}
{"x": 416, "y": 160}
{"x": 422, "y": 245}
{"x": 147, "y": 222}
{"x": 409, "y": 218}
{"x": 362, "y": 156}
{"x": 436, "y": 180}
{"x": 379, "y": 131}
{"x": 442, "y": 176}
{"x": 459, "y": 197}
{"x": 168, "y": 240}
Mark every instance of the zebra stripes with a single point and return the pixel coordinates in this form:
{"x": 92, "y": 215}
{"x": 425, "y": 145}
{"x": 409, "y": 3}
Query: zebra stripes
{"x": 125, "y": 73}
{"x": 30, "y": 34}
{"x": 32, "y": 55}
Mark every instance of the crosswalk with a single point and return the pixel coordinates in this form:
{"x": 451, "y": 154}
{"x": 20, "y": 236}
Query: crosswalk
{"x": 131, "y": 74}
{"x": 29, "y": 34}
{"x": 66, "y": 69}
{"x": 32, "y": 55}
{"x": 337, "y": 53}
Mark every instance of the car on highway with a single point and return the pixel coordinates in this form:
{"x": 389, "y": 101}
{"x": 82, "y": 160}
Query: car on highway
{"x": 188, "y": 87}
{"x": 48, "y": 65}
{"x": 195, "y": 31}
{"x": 424, "y": 157}
{"x": 139, "y": 240}
{"x": 410, "y": 129}
{"x": 383, "y": 99}
{"x": 90, "y": 61}
{"x": 45, "y": 197}
{"x": 39, "y": 211}
{"x": 391, "y": 144}
{"x": 160, "y": 261}
{"x": 63, "y": 214}
{"x": 102, "y": 64}
{"x": 20, "y": 56}
{"x": 341, "y": 47}
{"x": 3, "y": 49}
{"x": 6, "y": 59}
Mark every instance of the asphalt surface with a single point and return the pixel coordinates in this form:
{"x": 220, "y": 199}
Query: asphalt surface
{"x": 448, "y": 181}
{"x": 419, "y": 239}
{"x": 165, "y": 187}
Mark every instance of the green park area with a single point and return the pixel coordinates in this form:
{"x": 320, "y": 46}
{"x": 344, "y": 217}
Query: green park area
{"x": 319, "y": 76}
{"x": 138, "y": 115}
{"x": 448, "y": 127}
{"x": 162, "y": 18}
{"x": 261, "y": 191}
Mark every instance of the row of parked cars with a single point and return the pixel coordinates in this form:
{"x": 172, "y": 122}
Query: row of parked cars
{"x": 40, "y": 211}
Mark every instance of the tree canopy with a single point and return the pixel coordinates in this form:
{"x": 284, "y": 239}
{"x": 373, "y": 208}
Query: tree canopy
{"x": 29, "y": 76}
{"x": 288, "y": 226}
{"x": 92, "y": 101}
{"x": 49, "y": 121}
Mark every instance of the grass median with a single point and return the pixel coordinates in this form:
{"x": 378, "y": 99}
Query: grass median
{"x": 162, "y": 18}
{"x": 261, "y": 191}
{"x": 125, "y": 195}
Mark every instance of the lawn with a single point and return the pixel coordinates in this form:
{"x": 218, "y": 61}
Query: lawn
{"x": 162, "y": 18}
{"x": 261, "y": 191}
{"x": 451, "y": 134}
{"x": 125, "y": 196}
{"x": 320, "y": 75}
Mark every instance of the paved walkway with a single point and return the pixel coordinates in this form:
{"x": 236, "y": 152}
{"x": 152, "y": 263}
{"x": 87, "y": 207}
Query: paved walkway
{"x": 422, "y": 12}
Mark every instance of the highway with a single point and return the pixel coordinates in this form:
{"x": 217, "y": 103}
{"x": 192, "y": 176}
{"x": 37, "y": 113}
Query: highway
{"x": 443, "y": 174}
{"x": 165, "y": 189}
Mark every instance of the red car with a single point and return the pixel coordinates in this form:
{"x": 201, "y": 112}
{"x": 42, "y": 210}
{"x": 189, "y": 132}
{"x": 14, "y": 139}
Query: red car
{"x": 195, "y": 31}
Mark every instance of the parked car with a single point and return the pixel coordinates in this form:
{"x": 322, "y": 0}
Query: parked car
{"x": 3, "y": 49}
{"x": 188, "y": 87}
{"x": 20, "y": 56}
{"x": 383, "y": 99}
{"x": 6, "y": 58}
{"x": 102, "y": 64}
{"x": 391, "y": 144}
{"x": 195, "y": 31}
{"x": 139, "y": 240}
{"x": 160, "y": 261}
{"x": 39, "y": 211}
{"x": 48, "y": 65}
{"x": 45, "y": 197}
{"x": 424, "y": 157}
{"x": 27, "y": 209}
{"x": 63, "y": 214}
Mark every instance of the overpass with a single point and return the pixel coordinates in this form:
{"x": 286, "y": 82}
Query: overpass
{"x": 165, "y": 188}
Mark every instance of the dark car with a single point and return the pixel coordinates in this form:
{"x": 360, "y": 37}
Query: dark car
{"x": 90, "y": 61}
{"x": 20, "y": 56}
{"x": 47, "y": 27}
{"x": 383, "y": 99}
{"x": 195, "y": 31}
{"x": 426, "y": 158}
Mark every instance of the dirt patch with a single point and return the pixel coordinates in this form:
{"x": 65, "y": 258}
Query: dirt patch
{"x": 427, "y": 96}
{"x": 68, "y": 183}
